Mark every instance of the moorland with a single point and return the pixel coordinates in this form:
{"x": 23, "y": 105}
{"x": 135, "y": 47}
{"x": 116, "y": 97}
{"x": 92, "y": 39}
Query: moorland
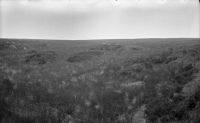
{"x": 100, "y": 81}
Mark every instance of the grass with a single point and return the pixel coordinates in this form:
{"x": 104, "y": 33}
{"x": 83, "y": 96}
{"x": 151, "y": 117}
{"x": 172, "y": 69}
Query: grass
{"x": 109, "y": 81}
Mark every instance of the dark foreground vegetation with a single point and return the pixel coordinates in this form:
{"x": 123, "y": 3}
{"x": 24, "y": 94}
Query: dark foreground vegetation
{"x": 128, "y": 81}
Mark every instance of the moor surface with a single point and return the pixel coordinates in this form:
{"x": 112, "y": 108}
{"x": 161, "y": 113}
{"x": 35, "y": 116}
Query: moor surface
{"x": 100, "y": 81}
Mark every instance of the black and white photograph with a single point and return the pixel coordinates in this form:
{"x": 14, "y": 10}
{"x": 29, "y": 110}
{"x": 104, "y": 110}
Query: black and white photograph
{"x": 99, "y": 61}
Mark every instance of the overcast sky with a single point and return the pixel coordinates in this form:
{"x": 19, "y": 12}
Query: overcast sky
{"x": 99, "y": 19}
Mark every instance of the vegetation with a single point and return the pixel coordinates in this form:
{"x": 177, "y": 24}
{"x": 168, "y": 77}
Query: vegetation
{"x": 94, "y": 82}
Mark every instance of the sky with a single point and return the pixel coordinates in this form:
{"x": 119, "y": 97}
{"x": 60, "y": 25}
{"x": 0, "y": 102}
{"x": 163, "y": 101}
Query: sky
{"x": 99, "y": 19}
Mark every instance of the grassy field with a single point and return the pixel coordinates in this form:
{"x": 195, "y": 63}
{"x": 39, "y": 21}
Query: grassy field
{"x": 100, "y": 81}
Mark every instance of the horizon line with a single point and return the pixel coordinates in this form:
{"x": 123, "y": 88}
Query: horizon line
{"x": 94, "y": 39}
